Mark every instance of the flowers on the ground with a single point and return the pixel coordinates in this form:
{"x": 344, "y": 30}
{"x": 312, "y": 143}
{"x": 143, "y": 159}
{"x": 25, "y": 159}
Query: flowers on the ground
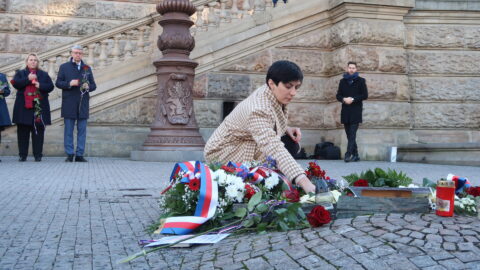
{"x": 466, "y": 205}
{"x": 314, "y": 170}
{"x": 360, "y": 183}
{"x": 292, "y": 195}
{"x": 318, "y": 216}
{"x": 474, "y": 191}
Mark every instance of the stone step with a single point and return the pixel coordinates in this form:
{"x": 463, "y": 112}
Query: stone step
{"x": 441, "y": 153}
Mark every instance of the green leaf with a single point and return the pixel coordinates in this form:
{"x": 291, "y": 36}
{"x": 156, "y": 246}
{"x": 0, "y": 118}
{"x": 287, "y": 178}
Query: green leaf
{"x": 257, "y": 219}
{"x": 292, "y": 217}
{"x": 262, "y": 227}
{"x": 240, "y": 212}
{"x": 380, "y": 173}
{"x": 247, "y": 223}
{"x": 301, "y": 214}
{"x": 283, "y": 226}
{"x": 254, "y": 201}
{"x": 380, "y": 182}
{"x": 280, "y": 211}
{"x": 262, "y": 208}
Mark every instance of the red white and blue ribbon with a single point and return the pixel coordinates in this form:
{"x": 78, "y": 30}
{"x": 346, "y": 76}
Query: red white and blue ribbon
{"x": 207, "y": 201}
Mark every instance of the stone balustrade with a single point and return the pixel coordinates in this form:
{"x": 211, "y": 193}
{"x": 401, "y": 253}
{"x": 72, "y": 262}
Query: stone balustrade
{"x": 124, "y": 42}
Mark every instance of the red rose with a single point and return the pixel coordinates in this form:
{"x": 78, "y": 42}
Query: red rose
{"x": 86, "y": 67}
{"x": 194, "y": 184}
{"x": 474, "y": 191}
{"x": 250, "y": 191}
{"x": 292, "y": 195}
{"x": 361, "y": 183}
{"x": 318, "y": 216}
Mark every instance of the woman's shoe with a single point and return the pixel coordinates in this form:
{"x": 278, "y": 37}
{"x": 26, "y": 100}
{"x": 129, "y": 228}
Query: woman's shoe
{"x": 22, "y": 159}
{"x": 38, "y": 159}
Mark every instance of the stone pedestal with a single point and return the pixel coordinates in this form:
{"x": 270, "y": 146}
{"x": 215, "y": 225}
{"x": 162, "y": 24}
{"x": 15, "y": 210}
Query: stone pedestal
{"x": 174, "y": 134}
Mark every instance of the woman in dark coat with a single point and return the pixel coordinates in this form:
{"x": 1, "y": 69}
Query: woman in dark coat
{"x": 352, "y": 91}
{"x": 31, "y": 111}
{"x": 4, "y": 116}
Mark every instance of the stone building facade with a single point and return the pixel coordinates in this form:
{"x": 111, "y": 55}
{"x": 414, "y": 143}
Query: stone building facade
{"x": 40, "y": 25}
{"x": 420, "y": 59}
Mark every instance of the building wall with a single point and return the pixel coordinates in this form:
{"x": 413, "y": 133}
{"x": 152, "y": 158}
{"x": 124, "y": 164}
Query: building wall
{"x": 40, "y": 25}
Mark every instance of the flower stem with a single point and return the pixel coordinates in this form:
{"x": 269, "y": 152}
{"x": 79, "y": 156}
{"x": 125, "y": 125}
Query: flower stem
{"x": 145, "y": 252}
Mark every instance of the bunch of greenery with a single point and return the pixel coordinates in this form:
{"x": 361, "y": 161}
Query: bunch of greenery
{"x": 380, "y": 178}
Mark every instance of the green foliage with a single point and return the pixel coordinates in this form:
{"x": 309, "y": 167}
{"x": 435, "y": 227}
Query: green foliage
{"x": 380, "y": 178}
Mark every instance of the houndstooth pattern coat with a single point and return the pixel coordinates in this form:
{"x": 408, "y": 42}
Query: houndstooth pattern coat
{"x": 252, "y": 131}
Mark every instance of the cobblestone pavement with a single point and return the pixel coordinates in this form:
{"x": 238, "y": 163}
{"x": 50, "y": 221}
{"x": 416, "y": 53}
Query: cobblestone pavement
{"x": 57, "y": 215}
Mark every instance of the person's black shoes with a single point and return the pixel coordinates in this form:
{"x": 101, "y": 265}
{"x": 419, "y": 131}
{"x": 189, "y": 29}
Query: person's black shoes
{"x": 38, "y": 159}
{"x": 80, "y": 159}
{"x": 355, "y": 158}
{"x": 69, "y": 158}
{"x": 22, "y": 159}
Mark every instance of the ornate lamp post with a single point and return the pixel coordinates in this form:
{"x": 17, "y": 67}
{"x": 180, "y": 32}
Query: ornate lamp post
{"x": 174, "y": 134}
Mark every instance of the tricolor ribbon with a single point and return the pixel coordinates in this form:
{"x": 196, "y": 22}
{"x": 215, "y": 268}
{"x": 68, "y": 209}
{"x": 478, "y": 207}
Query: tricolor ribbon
{"x": 207, "y": 201}
{"x": 258, "y": 175}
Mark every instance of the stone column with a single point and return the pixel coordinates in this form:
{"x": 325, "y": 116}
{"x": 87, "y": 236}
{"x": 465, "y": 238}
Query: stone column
{"x": 174, "y": 134}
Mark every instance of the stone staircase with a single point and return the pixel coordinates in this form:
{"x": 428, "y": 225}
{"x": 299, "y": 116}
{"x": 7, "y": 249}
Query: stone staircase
{"x": 121, "y": 59}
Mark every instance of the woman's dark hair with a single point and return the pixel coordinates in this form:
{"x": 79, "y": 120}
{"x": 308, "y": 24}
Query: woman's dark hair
{"x": 284, "y": 71}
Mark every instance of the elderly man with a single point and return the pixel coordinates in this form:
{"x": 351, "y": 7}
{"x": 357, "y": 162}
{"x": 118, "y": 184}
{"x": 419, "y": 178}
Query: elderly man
{"x": 75, "y": 78}
{"x": 253, "y": 129}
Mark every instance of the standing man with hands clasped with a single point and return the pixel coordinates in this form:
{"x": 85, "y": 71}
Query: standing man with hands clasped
{"x": 75, "y": 78}
{"x": 352, "y": 90}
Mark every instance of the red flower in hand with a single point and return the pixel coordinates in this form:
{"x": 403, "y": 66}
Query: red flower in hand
{"x": 291, "y": 195}
{"x": 86, "y": 67}
{"x": 474, "y": 191}
{"x": 361, "y": 183}
{"x": 249, "y": 191}
{"x": 318, "y": 216}
{"x": 194, "y": 184}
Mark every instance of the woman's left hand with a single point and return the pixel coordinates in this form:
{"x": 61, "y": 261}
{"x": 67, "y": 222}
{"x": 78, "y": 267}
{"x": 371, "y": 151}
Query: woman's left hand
{"x": 294, "y": 133}
{"x": 37, "y": 84}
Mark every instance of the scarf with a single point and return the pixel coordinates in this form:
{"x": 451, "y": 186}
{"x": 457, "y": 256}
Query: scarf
{"x": 350, "y": 78}
{"x": 31, "y": 92}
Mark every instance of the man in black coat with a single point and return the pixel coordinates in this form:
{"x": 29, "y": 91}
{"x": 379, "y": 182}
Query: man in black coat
{"x": 75, "y": 78}
{"x": 352, "y": 90}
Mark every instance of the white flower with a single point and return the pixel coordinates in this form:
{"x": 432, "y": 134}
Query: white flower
{"x": 305, "y": 198}
{"x": 234, "y": 193}
{"x": 412, "y": 186}
{"x": 221, "y": 177}
{"x": 271, "y": 181}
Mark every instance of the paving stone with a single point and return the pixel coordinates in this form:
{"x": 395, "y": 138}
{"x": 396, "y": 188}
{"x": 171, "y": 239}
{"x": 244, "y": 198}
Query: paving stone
{"x": 417, "y": 235}
{"x": 467, "y": 246}
{"x": 452, "y": 264}
{"x": 399, "y": 263}
{"x": 472, "y": 239}
{"x": 434, "y": 238}
{"x": 382, "y": 250}
{"x": 354, "y": 249}
{"x": 473, "y": 265}
{"x": 435, "y": 267}
{"x": 389, "y": 237}
{"x": 440, "y": 255}
{"x": 314, "y": 262}
{"x": 404, "y": 232}
{"x": 280, "y": 260}
{"x": 448, "y": 232}
{"x": 377, "y": 233}
{"x": 257, "y": 263}
{"x": 403, "y": 240}
{"x": 449, "y": 246}
{"x": 343, "y": 262}
{"x": 298, "y": 252}
{"x": 423, "y": 261}
{"x": 430, "y": 231}
{"x": 418, "y": 243}
{"x": 468, "y": 256}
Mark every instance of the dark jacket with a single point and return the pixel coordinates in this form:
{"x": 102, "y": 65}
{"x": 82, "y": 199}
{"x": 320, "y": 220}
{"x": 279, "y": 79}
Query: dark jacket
{"x": 4, "y": 115}
{"x": 71, "y": 96}
{"x": 22, "y": 115}
{"x": 352, "y": 114}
